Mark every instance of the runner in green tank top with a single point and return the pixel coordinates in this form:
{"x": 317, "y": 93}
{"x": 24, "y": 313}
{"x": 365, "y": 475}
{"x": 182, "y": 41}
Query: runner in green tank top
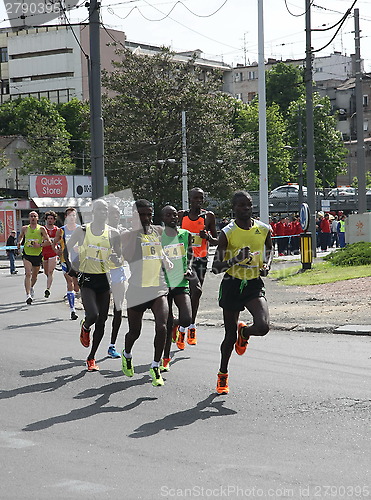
{"x": 177, "y": 245}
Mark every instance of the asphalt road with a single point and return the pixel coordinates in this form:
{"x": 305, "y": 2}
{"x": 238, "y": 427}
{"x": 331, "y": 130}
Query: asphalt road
{"x": 296, "y": 423}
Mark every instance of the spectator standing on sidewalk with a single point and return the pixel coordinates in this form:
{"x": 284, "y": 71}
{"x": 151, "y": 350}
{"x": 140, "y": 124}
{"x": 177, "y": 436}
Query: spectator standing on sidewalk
{"x": 334, "y": 232}
{"x": 12, "y": 252}
{"x": 341, "y": 231}
{"x": 245, "y": 253}
{"x": 325, "y": 227}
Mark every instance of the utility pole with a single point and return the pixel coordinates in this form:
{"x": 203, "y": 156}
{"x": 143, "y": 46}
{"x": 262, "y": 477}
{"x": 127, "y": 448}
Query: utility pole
{"x": 95, "y": 98}
{"x": 263, "y": 164}
{"x": 184, "y": 164}
{"x": 311, "y": 177}
{"x": 361, "y": 170}
{"x": 300, "y": 158}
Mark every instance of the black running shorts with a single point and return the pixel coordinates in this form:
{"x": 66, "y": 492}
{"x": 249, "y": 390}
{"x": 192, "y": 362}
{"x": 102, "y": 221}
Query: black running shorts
{"x": 34, "y": 259}
{"x": 234, "y": 293}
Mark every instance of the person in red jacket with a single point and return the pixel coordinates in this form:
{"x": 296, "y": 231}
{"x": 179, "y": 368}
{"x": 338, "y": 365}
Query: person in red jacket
{"x": 281, "y": 233}
{"x": 295, "y": 231}
{"x": 325, "y": 232}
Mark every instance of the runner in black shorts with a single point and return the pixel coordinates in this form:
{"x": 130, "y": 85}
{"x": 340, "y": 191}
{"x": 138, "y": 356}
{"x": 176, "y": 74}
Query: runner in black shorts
{"x": 177, "y": 245}
{"x": 245, "y": 253}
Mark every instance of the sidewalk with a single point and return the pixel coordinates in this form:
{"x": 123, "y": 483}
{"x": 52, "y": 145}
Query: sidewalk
{"x": 342, "y": 307}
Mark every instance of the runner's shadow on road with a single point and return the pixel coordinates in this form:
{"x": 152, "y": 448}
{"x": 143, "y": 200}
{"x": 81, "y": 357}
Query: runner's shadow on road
{"x": 205, "y": 409}
{"x": 96, "y": 408}
{"x": 23, "y": 325}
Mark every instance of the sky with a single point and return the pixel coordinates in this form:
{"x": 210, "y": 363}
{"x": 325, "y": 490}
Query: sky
{"x": 227, "y": 30}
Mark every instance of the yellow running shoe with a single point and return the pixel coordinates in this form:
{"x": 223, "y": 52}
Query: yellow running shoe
{"x": 165, "y": 365}
{"x": 157, "y": 379}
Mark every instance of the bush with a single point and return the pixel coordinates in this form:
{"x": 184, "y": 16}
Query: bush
{"x": 356, "y": 254}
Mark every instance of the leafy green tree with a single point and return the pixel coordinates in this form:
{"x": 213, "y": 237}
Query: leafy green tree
{"x": 247, "y": 127}
{"x": 39, "y": 122}
{"x": 77, "y": 117}
{"x": 284, "y": 83}
{"x": 329, "y": 150}
{"x": 143, "y": 129}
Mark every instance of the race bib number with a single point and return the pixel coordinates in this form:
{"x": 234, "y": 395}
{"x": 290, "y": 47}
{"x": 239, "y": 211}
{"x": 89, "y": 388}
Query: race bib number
{"x": 174, "y": 251}
{"x": 151, "y": 250}
{"x": 196, "y": 240}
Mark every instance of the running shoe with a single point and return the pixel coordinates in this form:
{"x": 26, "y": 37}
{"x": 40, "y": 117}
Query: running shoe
{"x": 180, "y": 340}
{"x": 32, "y": 292}
{"x": 47, "y": 293}
{"x": 73, "y": 315}
{"x": 29, "y": 300}
{"x": 112, "y": 353}
{"x": 222, "y": 383}
{"x": 174, "y": 333}
{"x": 92, "y": 366}
{"x": 157, "y": 379}
{"x": 84, "y": 335}
{"x": 165, "y": 365}
{"x": 191, "y": 336}
{"x": 241, "y": 343}
{"x": 127, "y": 366}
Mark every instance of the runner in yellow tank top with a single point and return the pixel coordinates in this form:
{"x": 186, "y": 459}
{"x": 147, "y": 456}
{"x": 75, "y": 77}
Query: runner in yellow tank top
{"x": 201, "y": 224}
{"x": 245, "y": 253}
{"x": 147, "y": 287}
{"x": 35, "y": 238}
{"x": 98, "y": 244}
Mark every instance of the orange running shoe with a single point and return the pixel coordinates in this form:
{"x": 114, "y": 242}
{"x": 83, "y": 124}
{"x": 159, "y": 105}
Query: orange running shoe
{"x": 222, "y": 383}
{"x": 191, "y": 337}
{"x": 174, "y": 333}
{"x": 180, "y": 340}
{"x": 84, "y": 335}
{"x": 92, "y": 366}
{"x": 241, "y": 343}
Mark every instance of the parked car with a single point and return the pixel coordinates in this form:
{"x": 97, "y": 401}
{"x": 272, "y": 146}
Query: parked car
{"x": 342, "y": 192}
{"x": 287, "y": 191}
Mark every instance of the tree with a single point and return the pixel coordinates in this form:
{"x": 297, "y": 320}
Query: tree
{"x": 77, "y": 119}
{"x": 284, "y": 84}
{"x": 247, "y": 127}
{"x": 143, "y": 129}
{"x": 44, "y": 129}
{"x": 329, "y": 150}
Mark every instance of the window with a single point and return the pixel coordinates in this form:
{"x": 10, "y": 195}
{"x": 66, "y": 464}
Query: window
{"x": 251, "y": 75}
{"x": 239, "y": 96}
{"x": 250, "y": 96}
{"x": 365, "y": 100}
{"x": 3, "y": 54}
{"x": 238, "y": 77}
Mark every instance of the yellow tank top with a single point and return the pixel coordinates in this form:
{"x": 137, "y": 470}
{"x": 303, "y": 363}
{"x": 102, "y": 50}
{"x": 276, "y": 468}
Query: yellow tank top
{"x": 239, "y": 238}
{"x": 94, "y": 252}
{"x": 32, "y": 235}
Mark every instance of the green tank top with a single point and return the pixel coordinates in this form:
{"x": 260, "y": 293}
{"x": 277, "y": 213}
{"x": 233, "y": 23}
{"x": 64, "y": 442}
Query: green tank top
{"x": 33, "y": 235}
{"x": 175, "y": 248}
{"x": 94, "y": 252}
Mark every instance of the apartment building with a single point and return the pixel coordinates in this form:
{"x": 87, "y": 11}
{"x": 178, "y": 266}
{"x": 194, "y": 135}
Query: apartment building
{"x": 50, "y": 61}
{"x": 328, "y": 71}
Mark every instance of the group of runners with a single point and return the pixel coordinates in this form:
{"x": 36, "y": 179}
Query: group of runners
{"x": 167, "y": 264}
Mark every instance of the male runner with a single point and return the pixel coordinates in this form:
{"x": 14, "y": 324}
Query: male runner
{"x": 118, "y": 278}
{"x": 35, "y": 238}
{"x": 201, "y": 224}
{"x": 177, "y": 245}
{"x": 61, "y": 239}
{"x": 49, "y": 254}
{"x": 98, "y": 245}
{"x": 240, "y": 253}
{"x": 147, "y": 287}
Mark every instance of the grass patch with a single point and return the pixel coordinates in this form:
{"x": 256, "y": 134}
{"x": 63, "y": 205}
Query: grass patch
{"x": 321, "y": 272}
